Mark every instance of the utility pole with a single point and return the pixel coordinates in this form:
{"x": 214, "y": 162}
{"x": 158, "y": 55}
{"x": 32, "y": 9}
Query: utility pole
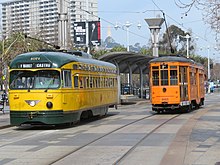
{"x": 62, "y": 24}
{"x": 87, "y": 27}
{"x": 187, "y": 37}
{"x": 187, "y": 45}
{"x": 209, "y": 76}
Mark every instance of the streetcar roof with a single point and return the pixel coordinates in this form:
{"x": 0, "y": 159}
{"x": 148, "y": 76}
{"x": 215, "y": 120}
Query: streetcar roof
{"x": 171, "y": 59}
{"x": 57, "y": 59}
{"x": 175, "y": 59}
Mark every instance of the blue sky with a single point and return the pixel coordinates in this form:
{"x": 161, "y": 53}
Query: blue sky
{"x": 112, "y": 11}
{"x": 133, "y": 11}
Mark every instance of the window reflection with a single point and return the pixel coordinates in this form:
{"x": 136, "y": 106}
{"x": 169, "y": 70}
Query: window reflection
{"x": 44, "y": 79}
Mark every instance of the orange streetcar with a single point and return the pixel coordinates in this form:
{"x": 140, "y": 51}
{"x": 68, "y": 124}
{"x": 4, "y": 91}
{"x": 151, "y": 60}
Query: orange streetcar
{"x": 177, "y": 83}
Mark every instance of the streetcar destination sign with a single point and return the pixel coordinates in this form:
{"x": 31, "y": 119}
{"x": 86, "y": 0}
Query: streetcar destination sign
{"x": 34, "y": 65}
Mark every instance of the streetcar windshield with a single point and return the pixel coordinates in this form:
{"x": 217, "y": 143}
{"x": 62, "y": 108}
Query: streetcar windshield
{"x": 165, "y": 75}
{"x": 43, "y": 79}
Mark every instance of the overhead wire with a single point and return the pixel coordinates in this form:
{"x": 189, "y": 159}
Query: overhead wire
{"x": 139, "y": 12}
{"x": 180, "y": 24}
{"x": 113, "y": 24}
{"x": 168, "y": 34}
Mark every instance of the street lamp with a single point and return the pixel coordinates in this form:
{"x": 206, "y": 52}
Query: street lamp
{"x": 154, "y": 26}
{"x": 127, "y": 25}
{"x": 187, "y": 37}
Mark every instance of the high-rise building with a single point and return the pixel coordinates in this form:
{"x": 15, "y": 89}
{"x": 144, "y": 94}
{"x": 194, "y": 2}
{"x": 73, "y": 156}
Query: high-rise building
{"x": 39, "y": 18}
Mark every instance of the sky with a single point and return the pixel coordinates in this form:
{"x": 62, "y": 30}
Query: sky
{"x": 121, "y": 11}
{"x": 111, "y": 12}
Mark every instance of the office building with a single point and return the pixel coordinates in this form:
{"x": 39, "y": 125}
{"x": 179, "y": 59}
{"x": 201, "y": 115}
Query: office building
{"x": 39, "y": 18}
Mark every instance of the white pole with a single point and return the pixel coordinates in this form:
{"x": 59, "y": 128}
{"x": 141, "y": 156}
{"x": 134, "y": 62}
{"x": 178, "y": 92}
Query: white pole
{"x": 127, "y": 25}
{"x": 208, "y": 63}
{"x": 62, "y": 25}
{"x": 187, "y": 45}
{"x": 87, "y": 27}
{"x": 127, "y": 40}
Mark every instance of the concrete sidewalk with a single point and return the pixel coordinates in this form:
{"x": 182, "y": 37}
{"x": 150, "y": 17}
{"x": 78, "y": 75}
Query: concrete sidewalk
{"x": 4, "y": 117}
{"x": 198, "y": 141}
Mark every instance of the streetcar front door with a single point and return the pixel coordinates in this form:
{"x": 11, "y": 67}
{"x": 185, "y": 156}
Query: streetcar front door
{"x": 183, "y": 83}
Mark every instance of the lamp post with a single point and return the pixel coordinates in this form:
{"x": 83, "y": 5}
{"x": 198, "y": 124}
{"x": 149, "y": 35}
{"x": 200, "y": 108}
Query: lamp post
{"x": 208, "y": 48}
{"x": 127, "y": 25}
{"x": 187, "y": 37}
{"x": 154, "y": 26}
{"x": 187, "y": 45}
{"x": 208, "y": 61}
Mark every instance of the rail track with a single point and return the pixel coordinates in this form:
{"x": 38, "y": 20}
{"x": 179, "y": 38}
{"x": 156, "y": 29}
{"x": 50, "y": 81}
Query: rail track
{"x": 119, "y": 128}
{"x": 95, "y": 140}
{"x": 137, "y": 144}
{"x": 128, "y": 152}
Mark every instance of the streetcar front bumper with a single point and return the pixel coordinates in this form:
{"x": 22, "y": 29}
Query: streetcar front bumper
{"x": 42, "y": 117}
{"x": 165, "y": 107}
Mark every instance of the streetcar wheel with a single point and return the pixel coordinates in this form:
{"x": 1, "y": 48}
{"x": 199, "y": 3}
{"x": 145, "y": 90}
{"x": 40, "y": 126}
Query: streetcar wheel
{"x": 85, "y": 115}
{"x": 190, "y": 108}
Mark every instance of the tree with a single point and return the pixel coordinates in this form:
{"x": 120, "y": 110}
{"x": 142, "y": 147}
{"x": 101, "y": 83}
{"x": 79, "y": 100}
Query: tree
{"x": 17, "y": 43}
{"x": 170, "y": 36}
{"x": 210, "y": 10}
{"x": 200, "y": 59}
{"x": 146, "y": 51}
{"x": 118, "y": 49}
{"x": 13, "y": 45}
{"x": 176, "y": 39}
{"x": 98, "y": 53}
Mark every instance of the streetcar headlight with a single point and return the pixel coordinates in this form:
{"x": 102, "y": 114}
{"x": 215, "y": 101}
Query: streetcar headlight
{"x": 164, "y": 90}
{"x": 49, "y": 104}
{"x": 32, "y": 103}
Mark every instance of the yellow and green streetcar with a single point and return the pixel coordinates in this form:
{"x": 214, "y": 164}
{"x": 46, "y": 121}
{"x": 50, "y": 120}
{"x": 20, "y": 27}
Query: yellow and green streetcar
{"x": 55, "y": 88}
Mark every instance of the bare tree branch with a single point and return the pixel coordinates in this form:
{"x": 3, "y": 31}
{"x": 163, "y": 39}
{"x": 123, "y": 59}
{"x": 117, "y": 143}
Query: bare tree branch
{"x": 210, "y": 11}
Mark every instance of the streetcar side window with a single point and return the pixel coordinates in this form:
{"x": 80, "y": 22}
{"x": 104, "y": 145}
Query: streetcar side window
{"x": 90, "y": 82}
{"x": 76, "y": 83}
{"x": 85, "y": 82}
{"x": 101, "y": 82}
{"x": 94, "y": 82}
{"x": 173, "y": 77}
{"x": 192, "y": 78}
{"x": 155, "y": 77}
{"x": 97, "y": 82}
{"x": 81, "y": 82}
{"x": 67, "y": 79}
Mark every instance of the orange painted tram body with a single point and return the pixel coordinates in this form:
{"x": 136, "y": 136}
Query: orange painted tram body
{"x": 176, "y": 83}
